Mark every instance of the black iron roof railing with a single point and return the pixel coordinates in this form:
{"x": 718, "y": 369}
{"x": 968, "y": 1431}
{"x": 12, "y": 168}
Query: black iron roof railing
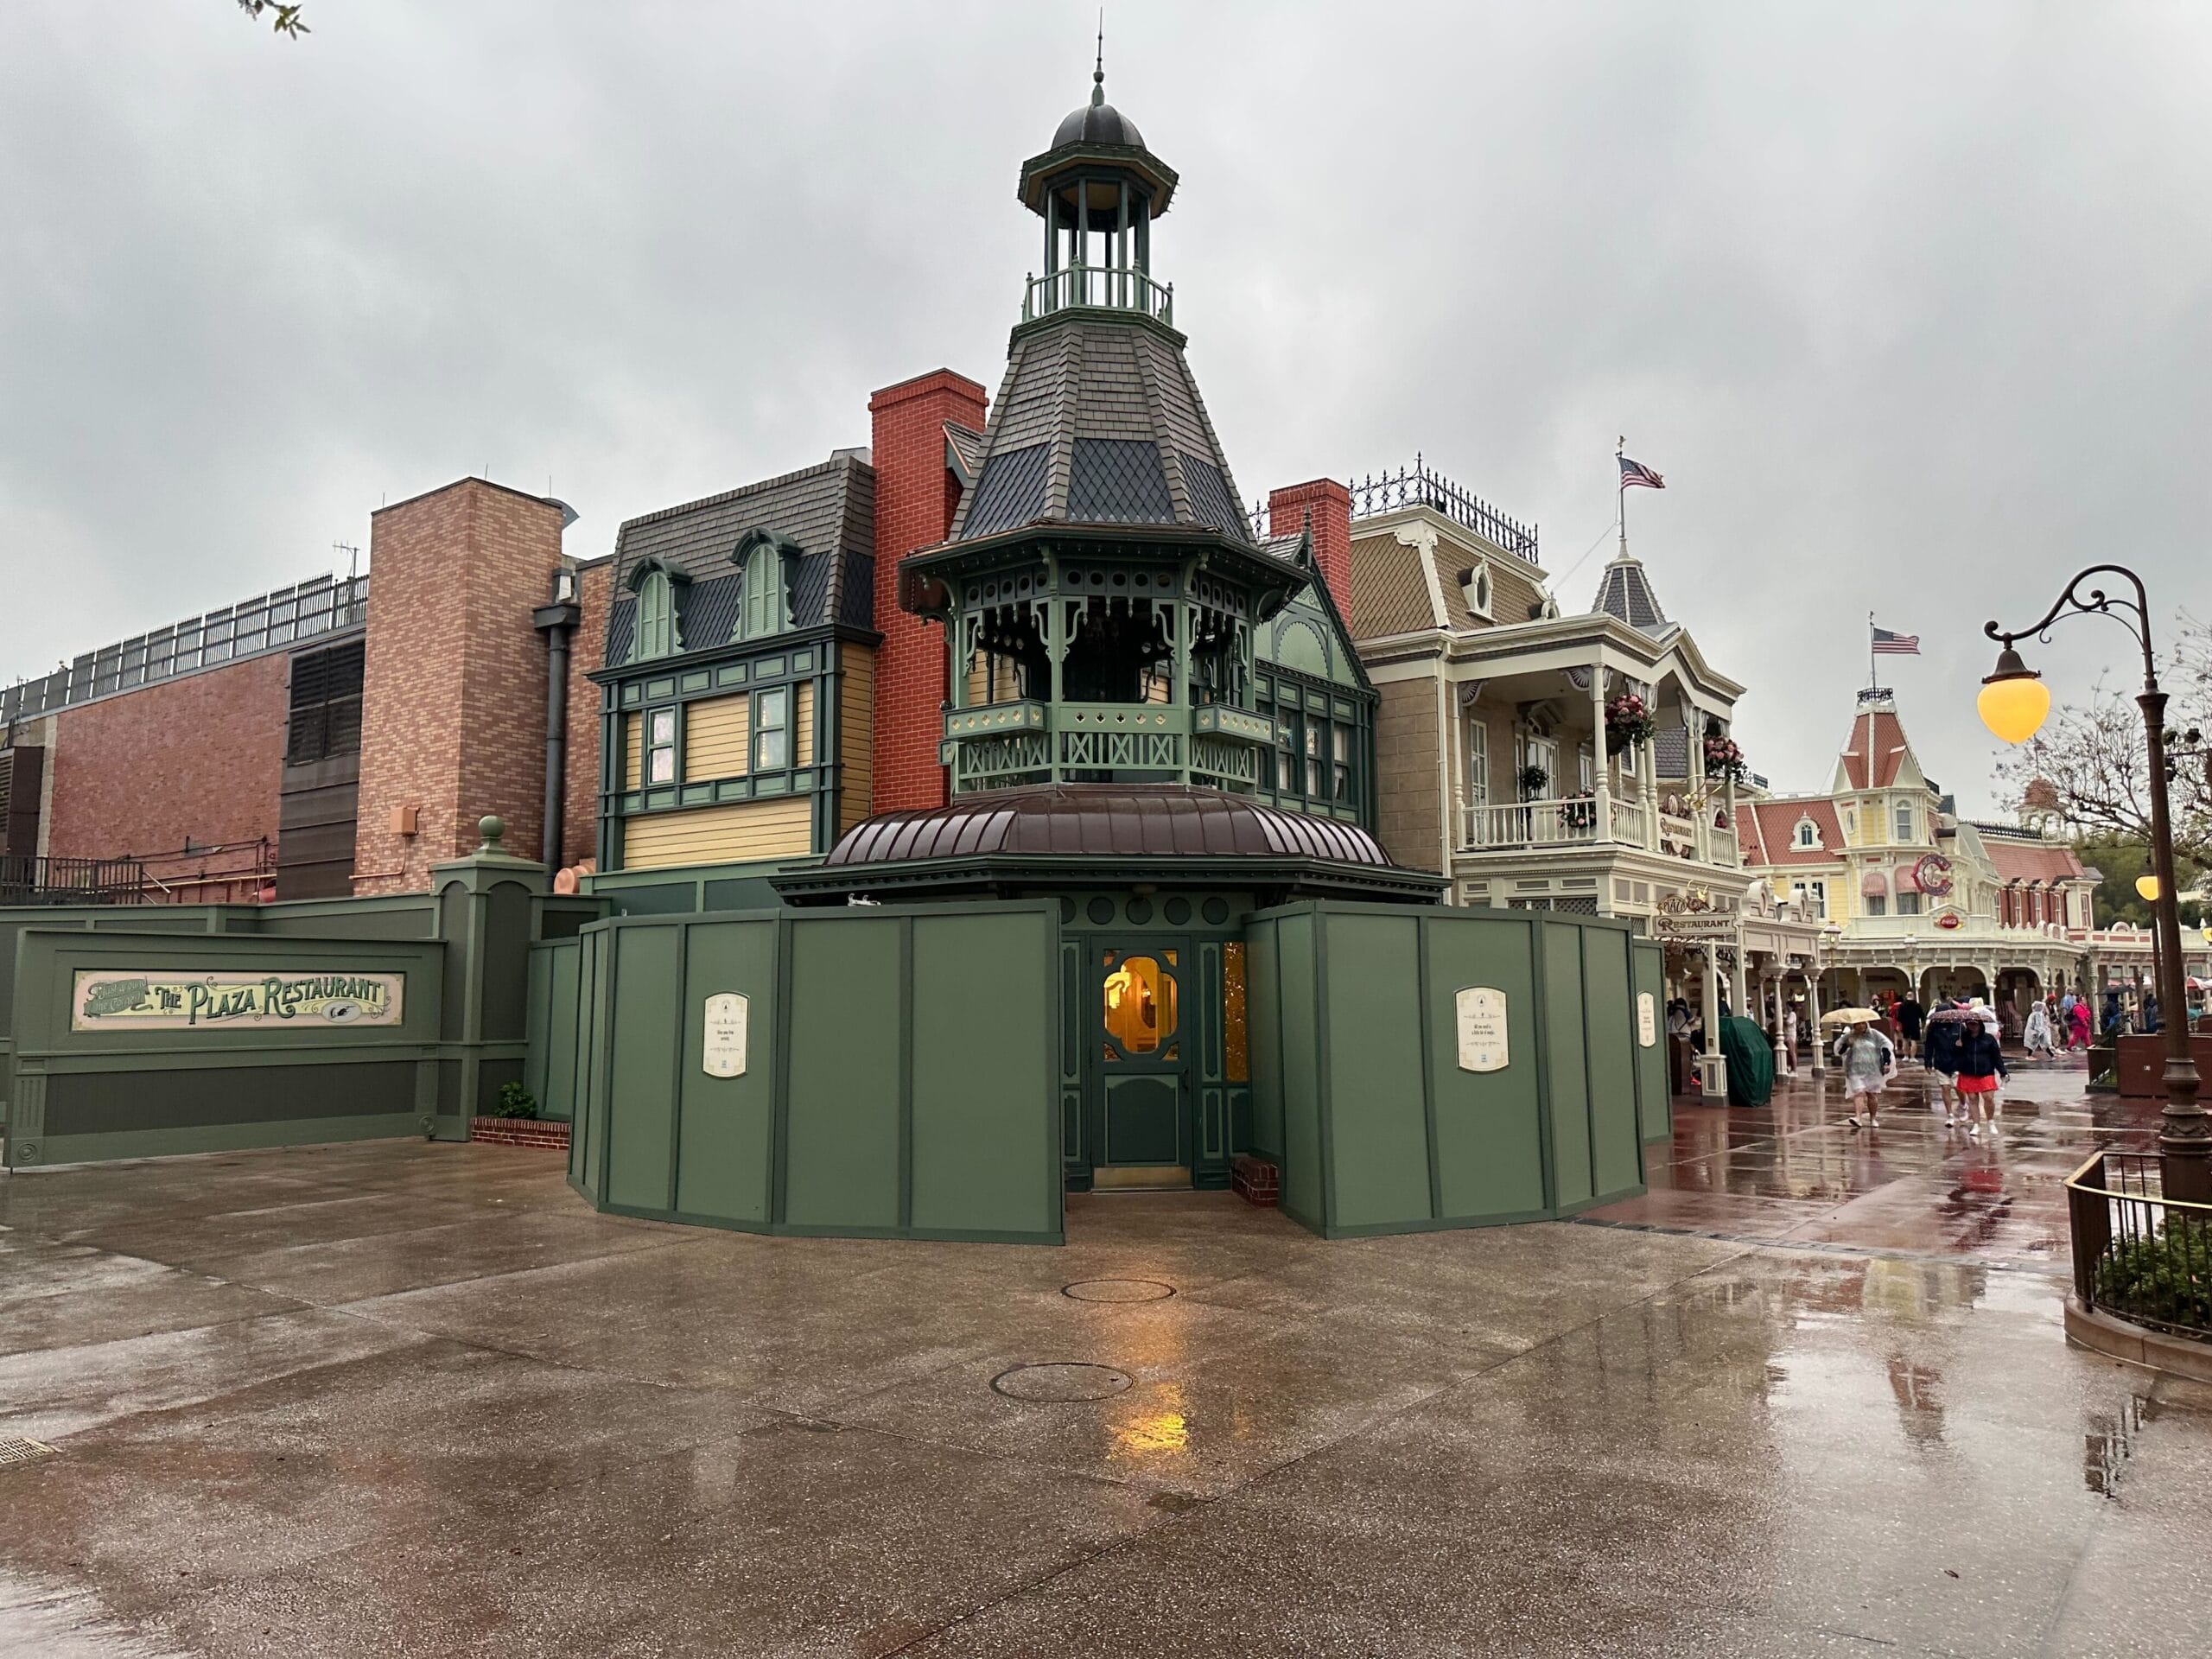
{"x": 1418, "y": 486}
{"x": 25, "y": 880}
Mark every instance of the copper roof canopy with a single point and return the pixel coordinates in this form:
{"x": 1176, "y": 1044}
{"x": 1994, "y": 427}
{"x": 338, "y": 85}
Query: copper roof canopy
{"x": 1094, "y": 834}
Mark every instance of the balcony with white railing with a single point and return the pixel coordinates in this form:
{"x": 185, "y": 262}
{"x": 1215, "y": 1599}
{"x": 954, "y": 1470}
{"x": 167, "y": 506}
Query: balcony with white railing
{"x": 1605, "y": 817}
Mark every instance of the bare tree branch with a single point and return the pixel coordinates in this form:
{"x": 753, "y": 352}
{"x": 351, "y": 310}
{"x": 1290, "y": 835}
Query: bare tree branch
{"x": 284, "y": 19}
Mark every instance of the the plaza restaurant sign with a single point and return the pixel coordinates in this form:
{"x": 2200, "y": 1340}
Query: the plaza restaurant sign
{"x": 104, "y": 1000}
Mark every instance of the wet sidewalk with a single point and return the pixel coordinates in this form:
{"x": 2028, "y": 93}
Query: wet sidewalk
{"x": 1811, "y": 1396}
{"x": 1794, "y": 1170}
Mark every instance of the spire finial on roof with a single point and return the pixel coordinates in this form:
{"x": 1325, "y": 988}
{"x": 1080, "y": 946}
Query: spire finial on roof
{"x": 1098, "y": 74}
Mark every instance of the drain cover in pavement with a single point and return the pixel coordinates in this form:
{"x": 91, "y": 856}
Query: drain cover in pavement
{"x": 12, "y": 1450}
{"x": 1061, "y": 1382}
{"x": 1118, "y": 1290}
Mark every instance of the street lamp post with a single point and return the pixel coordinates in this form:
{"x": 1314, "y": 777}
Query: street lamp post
{"x": 2014, "y": 702}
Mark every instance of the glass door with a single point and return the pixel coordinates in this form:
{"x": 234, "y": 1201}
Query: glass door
{"x": 1140, "y": 1100}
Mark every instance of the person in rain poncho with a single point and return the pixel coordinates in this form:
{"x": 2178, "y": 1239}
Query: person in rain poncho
{"x": 2035, "y": 1037}
{"x": 1867, "y": 1057}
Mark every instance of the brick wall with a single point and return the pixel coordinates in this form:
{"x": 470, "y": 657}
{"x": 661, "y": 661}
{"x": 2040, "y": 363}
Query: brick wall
{"x": 1408, "y": 819}
{"x": 199, "y": 757}
{"x": 915, "y": 495}
{"x": 1330, "y": 504}
{"x": 453, "y": 709}
{"x": 587, "y": 651}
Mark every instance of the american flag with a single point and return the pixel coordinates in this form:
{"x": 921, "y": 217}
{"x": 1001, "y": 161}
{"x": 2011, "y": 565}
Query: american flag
{"x": 1896, "y": 645}
{"x": 1635, "y": 475}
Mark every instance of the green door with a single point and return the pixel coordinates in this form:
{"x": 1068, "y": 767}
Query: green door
{"x": 1141, "y": 1095}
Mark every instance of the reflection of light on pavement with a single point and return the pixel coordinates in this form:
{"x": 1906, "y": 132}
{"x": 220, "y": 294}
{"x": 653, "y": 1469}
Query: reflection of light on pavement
{"x": 1153, "y": 1430}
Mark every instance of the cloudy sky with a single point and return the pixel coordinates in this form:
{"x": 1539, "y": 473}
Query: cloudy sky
{"x": 1911, "y": 304}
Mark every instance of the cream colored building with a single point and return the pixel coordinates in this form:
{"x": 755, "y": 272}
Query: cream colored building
{"x": 1914, "y": 897}
{"x": 1493, "y": 765}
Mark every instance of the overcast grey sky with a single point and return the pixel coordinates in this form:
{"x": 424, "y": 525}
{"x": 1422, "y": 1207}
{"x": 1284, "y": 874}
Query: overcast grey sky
{"x": 1911, "y": 304}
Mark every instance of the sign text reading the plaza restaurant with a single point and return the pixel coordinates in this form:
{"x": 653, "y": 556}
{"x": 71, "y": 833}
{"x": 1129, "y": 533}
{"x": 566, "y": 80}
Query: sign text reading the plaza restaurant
{"x": 104, "y": 1000}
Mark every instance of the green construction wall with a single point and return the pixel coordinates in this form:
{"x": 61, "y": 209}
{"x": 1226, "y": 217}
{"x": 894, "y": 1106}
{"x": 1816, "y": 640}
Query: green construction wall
{"x": 470, "y": 951}
{"x": 1357, "y": 1093}
{"x": 902, "y": 1075}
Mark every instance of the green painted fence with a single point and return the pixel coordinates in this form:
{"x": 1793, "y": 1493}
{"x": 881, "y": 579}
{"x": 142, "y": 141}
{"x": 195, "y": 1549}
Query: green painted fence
{"x": 900, "y": 1077}
{"x": 466, "y": 949}
{"x": 1359, "y": 1095}
{"x": 79, "y": 1095}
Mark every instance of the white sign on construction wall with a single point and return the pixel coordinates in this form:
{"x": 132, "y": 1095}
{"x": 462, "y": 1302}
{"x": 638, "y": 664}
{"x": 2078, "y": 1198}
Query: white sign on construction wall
{"x": 1647, "y": 1020}
{"x": 1481, "y": 1020}
{"x": 722, "y": 1048}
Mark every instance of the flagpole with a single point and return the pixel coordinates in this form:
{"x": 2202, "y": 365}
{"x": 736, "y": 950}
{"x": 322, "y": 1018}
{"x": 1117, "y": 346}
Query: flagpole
{"x": 1874, "y": 672}
{"x": 1620, "y": 493}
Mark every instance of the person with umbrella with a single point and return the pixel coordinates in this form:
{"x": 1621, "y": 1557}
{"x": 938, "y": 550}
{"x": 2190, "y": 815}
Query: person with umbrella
{"x": 1940, "y": 1053}
{"x": 1980, "y": 1057}
{"x": 1867, "y": 1056}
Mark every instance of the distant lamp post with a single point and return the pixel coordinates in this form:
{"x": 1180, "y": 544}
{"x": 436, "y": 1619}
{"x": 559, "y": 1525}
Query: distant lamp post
{"x": 2014, "y": 704}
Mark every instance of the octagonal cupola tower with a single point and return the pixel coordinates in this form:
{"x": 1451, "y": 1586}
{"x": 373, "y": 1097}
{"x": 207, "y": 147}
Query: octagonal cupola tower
{"x": 1100, "y": 585}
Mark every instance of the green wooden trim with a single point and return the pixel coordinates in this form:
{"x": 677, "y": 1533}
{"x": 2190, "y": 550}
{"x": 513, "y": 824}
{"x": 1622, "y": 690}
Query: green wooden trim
{"x": 59, "y": 1151}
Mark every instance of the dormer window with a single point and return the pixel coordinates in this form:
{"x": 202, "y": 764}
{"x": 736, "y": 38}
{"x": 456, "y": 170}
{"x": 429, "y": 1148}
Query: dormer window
{"x": 1809, "y": 836}
{"x": 656, "y": 634}
{"x": 1475, "y": 584}
{"x": 763, "y": 559}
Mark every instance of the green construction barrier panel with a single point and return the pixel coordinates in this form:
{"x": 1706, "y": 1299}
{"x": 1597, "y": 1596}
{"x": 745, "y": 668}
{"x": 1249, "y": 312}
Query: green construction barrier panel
{"x": 1355, "y": 1032}
{"x": 899, "y": 1074}
{"x": 1655, "y": 1110}
{"x": 149, "y": 1043}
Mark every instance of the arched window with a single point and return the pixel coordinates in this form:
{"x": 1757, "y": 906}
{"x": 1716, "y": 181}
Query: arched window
{"x": 1809, "y": 834}
{"x": 766, "y": 609}
{"x": 657, "y": 633}
{"x": 1474, "y": 583}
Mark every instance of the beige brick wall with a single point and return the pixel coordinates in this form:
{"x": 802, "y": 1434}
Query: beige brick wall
{"x": 1409, "y": 804}
{"x": 453, "y": 717}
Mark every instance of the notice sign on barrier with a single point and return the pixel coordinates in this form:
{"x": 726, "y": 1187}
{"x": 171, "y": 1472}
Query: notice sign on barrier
{"x": 1481, "y": 1012}
{"x": 1647, "y": 1020}
{"x": 722, "y": 1047}
{"x": 110, "y": 999}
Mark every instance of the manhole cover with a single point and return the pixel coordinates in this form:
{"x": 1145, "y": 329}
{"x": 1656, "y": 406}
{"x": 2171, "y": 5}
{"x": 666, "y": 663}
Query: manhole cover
{"x": 1061, "y": 1382}
{"x": 12, "y": 1450}
{"x": 1118, "y": 1290}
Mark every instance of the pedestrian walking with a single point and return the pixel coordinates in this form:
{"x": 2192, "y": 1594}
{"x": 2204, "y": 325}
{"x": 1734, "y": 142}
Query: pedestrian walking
{"x": 1911, "y": 1019}
{"x": 1867, "y": 1058}
{"x": 1981, "y": 1067}
{"x": 2077, "y": 1023}
{"x": 1940, "y": 1053}
{"x": 2066, "y": 1021}
{"x": 1789, "y": 1036}
{"x": 2036, "y": 1035}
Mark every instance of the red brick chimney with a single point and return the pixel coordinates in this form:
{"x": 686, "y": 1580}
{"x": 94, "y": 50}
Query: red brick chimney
{"x": 915, "y": 495}
{"x": 1330, "y": 503}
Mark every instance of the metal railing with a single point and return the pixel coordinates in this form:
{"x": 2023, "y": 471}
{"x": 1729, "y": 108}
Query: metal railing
{"x": 2137, "y": 1254}
{"x": 27, "y": 879}
{"x": 1106, "y": 288}
{"x": 1417, "y": 485}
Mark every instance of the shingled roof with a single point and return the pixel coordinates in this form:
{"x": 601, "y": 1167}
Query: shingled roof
{"x": 1875, "y": 750}
{"x": 1099, "y": 422}
{"x": 1624, "y": 591}
{"x": 828, "y": 510}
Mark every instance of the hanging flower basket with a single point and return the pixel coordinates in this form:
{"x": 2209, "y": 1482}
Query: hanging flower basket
{"x": 1723, "y": 758}
{"x": 1628, "y": 722}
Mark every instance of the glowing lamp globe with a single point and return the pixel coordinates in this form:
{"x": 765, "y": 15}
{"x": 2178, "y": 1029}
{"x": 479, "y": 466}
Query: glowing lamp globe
{"x": 2147, "y": 885}
{"x": 2014, "y": 701}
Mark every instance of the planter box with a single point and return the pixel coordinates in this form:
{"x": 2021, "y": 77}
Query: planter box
{"x": 548, "y": 1134}
{"x": 2142, "y": 1064}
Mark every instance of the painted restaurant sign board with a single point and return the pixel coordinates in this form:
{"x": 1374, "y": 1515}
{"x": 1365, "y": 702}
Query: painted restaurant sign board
{"x": 108, "y": 1000}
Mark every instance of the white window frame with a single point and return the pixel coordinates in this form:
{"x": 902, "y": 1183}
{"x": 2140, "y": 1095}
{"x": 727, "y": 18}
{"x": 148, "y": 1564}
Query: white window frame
{"x": 1477, "y": 763}
{"x": 1901, "y": 822}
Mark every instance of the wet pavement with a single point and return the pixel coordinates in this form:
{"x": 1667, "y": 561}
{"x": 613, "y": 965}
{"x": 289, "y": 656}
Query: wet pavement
{"x": 1808, "y": 1397}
